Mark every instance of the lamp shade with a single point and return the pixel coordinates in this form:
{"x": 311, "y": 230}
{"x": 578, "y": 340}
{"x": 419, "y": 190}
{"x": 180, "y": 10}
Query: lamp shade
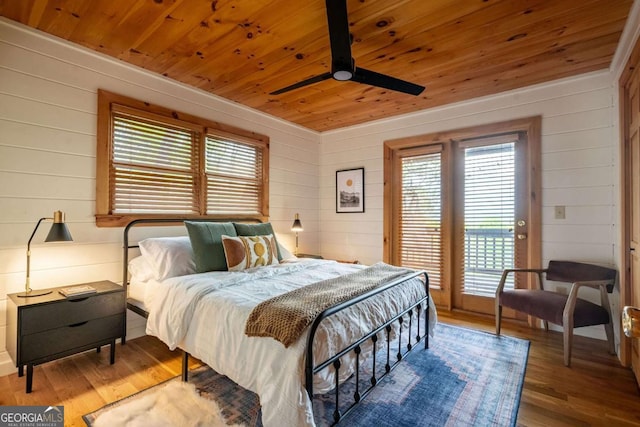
{"x": 59, "y": 231}
{"x": 297, "y": 225}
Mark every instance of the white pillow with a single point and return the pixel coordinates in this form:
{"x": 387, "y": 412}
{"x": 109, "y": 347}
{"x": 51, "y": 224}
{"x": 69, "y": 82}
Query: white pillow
{"x": 286, "y": 254}
{"x": 168, "y": 256}
{"x": 140, "y": 270}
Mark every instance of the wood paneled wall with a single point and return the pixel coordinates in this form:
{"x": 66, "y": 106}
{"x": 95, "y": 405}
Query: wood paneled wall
{"x": 579, "y": 168}
{"x": 48, "y": 106}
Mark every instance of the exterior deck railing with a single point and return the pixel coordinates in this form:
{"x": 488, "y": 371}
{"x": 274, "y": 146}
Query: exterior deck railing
{"x": 488, "y": 251}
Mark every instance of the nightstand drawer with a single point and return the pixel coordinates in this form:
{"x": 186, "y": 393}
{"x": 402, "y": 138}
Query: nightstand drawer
{"x": 45, "y": 317}
{"x": 41, "y": 345}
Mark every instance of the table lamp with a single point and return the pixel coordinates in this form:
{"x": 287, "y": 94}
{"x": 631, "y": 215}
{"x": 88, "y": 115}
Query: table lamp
{"x": 297, "y": 226}
{"x": 58, "y": 233}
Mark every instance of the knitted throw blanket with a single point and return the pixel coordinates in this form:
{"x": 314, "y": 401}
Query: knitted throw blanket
{"x": 285, "y": 317}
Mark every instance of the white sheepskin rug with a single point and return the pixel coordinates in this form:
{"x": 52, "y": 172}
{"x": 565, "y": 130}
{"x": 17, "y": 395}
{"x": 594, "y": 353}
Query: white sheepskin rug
{"x": 173, "y": 404}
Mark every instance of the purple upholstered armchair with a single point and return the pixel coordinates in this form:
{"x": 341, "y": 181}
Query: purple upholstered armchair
{"x": 568, "y": 311}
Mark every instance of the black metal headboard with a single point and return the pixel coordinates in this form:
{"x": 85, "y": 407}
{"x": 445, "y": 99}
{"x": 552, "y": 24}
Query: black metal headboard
{"x": 161, "y": 222}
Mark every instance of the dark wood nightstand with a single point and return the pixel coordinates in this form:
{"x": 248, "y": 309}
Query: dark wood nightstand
{"x": 309, "y": 256}
{"x": 48, "y": 327}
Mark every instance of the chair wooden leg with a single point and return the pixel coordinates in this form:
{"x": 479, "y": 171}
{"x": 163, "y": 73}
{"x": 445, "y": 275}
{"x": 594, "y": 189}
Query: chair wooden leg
{"x": 498, "y": 317}
{"x": 568, "y": 338}
{"x": 546, "y": 325}
{"x": 608, "y": 329}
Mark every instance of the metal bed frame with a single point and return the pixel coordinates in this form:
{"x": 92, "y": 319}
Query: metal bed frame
{"x": 311, "y": 368}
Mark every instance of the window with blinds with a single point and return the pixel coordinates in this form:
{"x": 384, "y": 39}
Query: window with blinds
{"x": 489, "y": 216}
{"x": 420, "y": 233}
{"x": 234, "y": 176}
{"x": 154, "y": 167}
{"x": 156, "y": 162}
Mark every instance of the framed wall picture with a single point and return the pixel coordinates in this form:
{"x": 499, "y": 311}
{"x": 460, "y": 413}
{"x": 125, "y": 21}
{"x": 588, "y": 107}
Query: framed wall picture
{"x": 350, "y": 190}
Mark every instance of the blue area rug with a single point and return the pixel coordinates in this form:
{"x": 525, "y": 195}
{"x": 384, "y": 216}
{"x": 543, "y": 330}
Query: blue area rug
{"x": 465, "y": 378}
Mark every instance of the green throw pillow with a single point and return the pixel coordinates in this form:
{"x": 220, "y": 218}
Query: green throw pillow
{"x": 262, "y": 229}
{"x": 206, "y": 241}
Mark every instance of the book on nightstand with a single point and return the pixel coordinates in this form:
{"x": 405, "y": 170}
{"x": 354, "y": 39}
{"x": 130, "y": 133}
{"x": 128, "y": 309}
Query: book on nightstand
{"x": 73, "y": 291}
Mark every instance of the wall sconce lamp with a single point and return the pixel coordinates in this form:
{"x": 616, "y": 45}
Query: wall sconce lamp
{"x": 58, "y": 233}
{"x": 631, "y": 321}
{"x": 297, "y": 226}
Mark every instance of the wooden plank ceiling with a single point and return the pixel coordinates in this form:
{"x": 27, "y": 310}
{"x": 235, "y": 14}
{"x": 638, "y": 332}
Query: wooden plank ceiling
{"x": 244, "y": 49}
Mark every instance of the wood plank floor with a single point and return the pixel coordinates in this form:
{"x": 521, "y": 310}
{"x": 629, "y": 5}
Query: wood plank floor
{"x": 595, "y": 391}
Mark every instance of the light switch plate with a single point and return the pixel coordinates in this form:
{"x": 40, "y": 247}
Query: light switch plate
{"x": 559, "y": 212}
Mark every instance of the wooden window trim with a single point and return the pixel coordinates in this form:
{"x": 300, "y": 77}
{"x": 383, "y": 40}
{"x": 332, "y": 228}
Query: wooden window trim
{"x": 109, "y": 102}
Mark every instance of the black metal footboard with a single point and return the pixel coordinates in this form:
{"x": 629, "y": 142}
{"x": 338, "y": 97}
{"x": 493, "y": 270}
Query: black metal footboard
{"x": 311, "y": 368}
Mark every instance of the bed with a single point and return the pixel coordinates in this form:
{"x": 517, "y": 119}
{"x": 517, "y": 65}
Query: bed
{"x": 206, "y": 313}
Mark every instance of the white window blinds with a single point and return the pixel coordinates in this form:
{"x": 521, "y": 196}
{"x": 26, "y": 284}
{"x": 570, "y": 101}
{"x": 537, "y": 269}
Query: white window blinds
{"x": 489, "y": 216}
{"x": 420, "y": 233}
{"x": 234, "y": 176}
{"x": 154, "y": 167}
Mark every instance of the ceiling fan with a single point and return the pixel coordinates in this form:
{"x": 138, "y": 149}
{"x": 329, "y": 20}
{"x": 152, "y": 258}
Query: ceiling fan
{"x": 343, "y": 66}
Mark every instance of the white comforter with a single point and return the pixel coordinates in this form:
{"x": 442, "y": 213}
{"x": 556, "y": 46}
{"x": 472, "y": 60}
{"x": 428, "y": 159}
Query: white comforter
{"x": 205, "y": 315}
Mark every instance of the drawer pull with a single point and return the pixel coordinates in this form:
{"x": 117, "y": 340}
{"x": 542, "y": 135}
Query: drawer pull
{"x": 78, "y": 324}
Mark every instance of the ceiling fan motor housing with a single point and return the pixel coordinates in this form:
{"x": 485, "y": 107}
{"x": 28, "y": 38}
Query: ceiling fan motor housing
{"x": 342, "y": 71}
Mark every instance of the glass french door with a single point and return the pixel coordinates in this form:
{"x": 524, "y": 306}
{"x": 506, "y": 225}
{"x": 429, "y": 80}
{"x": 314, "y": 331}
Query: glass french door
{"x": 460, "y": 209}
{"x": 492, "y": 221}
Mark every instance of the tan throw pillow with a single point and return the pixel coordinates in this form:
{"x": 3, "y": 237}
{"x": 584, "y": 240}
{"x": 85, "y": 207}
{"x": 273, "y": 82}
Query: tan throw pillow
{"x": 244, "y": 252}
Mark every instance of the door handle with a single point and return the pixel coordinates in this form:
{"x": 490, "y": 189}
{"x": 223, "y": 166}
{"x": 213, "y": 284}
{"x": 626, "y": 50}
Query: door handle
{"x": 522, "y": 237}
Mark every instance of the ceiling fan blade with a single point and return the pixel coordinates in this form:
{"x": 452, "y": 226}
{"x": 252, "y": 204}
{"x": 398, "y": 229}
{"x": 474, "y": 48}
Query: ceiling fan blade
{"x": 382, "y": 80}
{"x": 339, "y": 35}
{"x": 309, "y": 81}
